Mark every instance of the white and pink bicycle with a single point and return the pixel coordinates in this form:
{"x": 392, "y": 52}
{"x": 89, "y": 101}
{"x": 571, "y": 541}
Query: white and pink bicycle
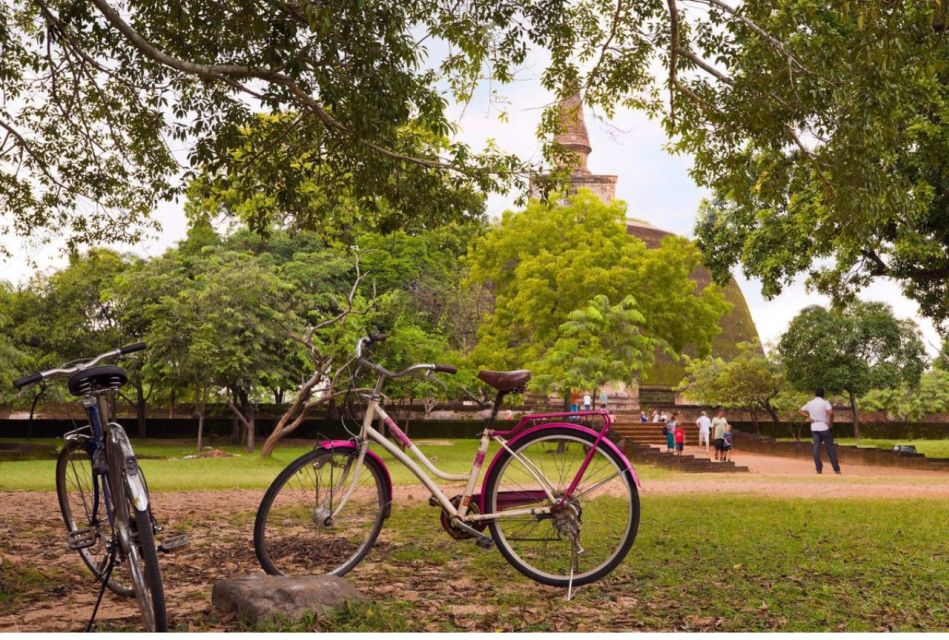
{"x": 560, "y": 499}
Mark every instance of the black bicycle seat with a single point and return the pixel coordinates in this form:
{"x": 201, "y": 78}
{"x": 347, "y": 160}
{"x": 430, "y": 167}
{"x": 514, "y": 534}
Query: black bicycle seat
{"x": 82, "y": 382}
{"x": 505, "y": 380}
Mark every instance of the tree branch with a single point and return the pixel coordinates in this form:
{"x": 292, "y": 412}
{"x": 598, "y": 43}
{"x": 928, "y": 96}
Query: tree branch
{"x": 230, "y": 73}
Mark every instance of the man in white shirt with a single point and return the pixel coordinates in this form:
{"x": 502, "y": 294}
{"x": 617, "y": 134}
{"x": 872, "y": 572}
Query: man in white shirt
{"x": 704, "y": 425}
{"x": 821, "y": 414}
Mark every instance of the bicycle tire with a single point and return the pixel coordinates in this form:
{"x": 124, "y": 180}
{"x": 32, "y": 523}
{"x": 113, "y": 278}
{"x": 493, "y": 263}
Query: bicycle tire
{"x": 268, "y": 541}
{"x": 143, "y": 541}
{"x": 96, "y": 556}
{"x": 498, "y": 526}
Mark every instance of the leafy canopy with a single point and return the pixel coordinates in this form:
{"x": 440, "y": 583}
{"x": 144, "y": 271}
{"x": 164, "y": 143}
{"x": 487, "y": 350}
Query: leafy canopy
{"x": 543, "y": 263}
{"x": 853, "y": 350}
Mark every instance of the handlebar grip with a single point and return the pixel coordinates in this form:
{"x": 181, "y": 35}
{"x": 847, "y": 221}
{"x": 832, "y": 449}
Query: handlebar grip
{"x": 377, "y": 337}
{"x": 28, "y": 380}
{"x": 132, "y": 348}
{"x": 445, "y": 368}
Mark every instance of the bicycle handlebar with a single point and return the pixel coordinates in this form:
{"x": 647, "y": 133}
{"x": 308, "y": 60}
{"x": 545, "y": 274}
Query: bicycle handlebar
{"x": 49, "y": 374}
{"x": 372, "y": 339}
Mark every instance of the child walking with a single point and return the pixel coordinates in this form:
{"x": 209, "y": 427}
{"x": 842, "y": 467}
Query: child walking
{"x": 727, "y": 444}
{"x": 680, "y": 439}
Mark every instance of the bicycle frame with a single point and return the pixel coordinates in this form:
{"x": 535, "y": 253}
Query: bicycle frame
{"x": 461, "y": 513}
{"x": 110, "y": 438}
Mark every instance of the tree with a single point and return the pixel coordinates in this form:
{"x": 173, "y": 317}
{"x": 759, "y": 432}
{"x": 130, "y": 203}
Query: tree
{"x": 544, "y": 262}
{"x": 942, "y": 360}
{"x": 852, "y": 351}
{"x": 750, "y": 380}
{"x": 98, "y": 93}
{"x": 930, "y": 396}
{"x": 599, "y": 343}
{"x": 819, "y": 127}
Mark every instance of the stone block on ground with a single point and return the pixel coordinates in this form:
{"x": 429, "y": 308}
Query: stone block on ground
{"x": 256, "y": 598}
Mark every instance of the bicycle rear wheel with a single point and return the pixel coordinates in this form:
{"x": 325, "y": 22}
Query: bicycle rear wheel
{"x": 314, "y": 520}
{"x": 601, "y": 517}
{"x": 82, "y": 503}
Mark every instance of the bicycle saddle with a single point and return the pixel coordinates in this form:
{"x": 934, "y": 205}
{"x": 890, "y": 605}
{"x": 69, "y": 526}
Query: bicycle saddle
{"x": 505, "y": 380}
{"x": 81, "y": 382}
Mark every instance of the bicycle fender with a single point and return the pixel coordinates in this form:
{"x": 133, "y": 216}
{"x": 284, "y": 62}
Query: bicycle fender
{"x": 134, "y": 480}
{"x": 349, "y": 444}
{"x": 550, "y": 425}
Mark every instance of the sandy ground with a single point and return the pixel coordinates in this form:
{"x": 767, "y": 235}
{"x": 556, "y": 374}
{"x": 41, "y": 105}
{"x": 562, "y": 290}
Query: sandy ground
{"x": 221, "y": 532}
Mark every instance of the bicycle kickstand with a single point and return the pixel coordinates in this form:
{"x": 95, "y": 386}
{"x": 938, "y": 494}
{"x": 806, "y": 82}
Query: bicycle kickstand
{"x": 105, "y": 580}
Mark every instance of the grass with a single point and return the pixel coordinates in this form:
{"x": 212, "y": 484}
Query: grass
{"x": 167, "y": 470}
{"x": 708, "y": 563}
{"x": 930, "y": 448}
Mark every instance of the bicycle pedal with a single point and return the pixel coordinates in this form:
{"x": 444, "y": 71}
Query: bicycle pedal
{"x": 485, "y": 542}
{"x": 81, "y": 538}
{"x": 176, "y": 541}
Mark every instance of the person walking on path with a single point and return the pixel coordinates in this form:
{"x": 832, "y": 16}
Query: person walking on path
{"x": 821, "y": 414}
{"x": 604, "y": 398}
{"x": 574, "y": 400}
{"x": 679, "y": 437}
{"x": 704, "y": 425}
{"x": 718, "y": 424}
{"x": 643, "y": 418}
{"x": 669, "y": 428}
{"x": 587, "y": 402}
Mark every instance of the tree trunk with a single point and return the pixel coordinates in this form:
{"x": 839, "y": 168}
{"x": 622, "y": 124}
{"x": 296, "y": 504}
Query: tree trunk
{"x": 202, "y": 407}
{"x": 171, "y": 404}
{"x": 771, "y": 412}
{"x": 248, "y": 411}
{"x": 140, "y": 407}
{"x": 754, "y": 421}
{"x": 854, "y": 415}
{"x": 292, "y": 417}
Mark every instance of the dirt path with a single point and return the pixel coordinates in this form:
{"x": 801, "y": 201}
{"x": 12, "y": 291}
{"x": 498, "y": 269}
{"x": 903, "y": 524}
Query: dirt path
{"x": 782, "y": 477}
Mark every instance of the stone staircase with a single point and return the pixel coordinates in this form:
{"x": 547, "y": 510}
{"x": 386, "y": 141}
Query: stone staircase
{"x": 644, "y": 442}
{"x": 686, "y": 462}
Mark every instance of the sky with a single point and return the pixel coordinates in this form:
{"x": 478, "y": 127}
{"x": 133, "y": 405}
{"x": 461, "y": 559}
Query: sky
{"x": 655, "y": 185}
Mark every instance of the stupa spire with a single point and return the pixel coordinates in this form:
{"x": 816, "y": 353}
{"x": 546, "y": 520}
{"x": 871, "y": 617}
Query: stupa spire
{"x": 572, "y": 133}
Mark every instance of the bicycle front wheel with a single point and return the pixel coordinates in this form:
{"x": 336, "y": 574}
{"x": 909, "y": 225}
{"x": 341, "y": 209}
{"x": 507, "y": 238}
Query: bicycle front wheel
{"x": 590, "y": 535}
{"x": 321, "y": 515}
{"x": 82, "y": 503}
{"x": 143, "y": 567}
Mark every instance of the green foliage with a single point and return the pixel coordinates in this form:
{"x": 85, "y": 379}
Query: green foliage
{"x": 597, "y": 344}
{"x": 826, "y": 147}
{"x": 750, "y": 380}
{"x": 278, "y": 177}
{"x": 854, "y": 350}
{"x": 358, "y": 109}
{"x": 545, "y": 262}
{"x": 930, "y": 396}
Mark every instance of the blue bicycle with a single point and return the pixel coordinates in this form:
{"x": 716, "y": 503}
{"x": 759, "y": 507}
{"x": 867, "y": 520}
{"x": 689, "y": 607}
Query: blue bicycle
{"x": 102, "y": 491}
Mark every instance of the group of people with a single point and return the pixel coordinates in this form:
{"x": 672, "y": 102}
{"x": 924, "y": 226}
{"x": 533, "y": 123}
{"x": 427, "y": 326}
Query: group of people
{"x": 819, "y": 412}
{"x": 587, "y": 399}
{"x": 675, "y": 433}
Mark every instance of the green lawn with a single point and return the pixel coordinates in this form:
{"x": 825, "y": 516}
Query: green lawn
{"x": 167, "y": 470}
{"x": 931, "y": 448}
{"x": 708, "y": 563}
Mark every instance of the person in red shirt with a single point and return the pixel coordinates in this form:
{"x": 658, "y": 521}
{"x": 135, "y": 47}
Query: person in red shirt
{"x": 680, "y": 439}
